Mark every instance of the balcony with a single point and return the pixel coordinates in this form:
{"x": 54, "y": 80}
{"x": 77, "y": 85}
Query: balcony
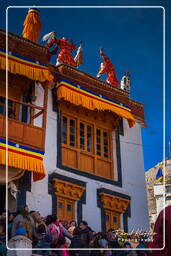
{"x": 26, "y": 123}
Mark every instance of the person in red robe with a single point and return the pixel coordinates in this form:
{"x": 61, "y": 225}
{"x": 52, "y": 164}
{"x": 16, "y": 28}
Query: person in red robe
{"x": 65, "y": 54}
{"x": 108, "y": 67}
{"x": 158, "y": 241}
{"x": 62, "y": 44}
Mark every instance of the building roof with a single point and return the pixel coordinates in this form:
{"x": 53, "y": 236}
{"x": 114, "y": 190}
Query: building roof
{"x": 37, "y": 52}
{"x": 24, "y": 47}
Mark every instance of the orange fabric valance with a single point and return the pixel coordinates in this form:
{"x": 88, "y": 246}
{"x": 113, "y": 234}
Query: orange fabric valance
{"x": 24, "y": 158}
{"x": 82, "y": 97}
{"x": 23, "y": 66}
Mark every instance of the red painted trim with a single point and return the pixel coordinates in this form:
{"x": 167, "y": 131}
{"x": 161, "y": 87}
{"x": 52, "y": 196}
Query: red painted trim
{"x": 21, "y": 153}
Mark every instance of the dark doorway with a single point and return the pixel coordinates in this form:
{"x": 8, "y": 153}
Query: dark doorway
{"x": 2, "y": 198}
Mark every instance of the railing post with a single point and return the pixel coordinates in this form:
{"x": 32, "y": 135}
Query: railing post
{"x": 45, "y": 86}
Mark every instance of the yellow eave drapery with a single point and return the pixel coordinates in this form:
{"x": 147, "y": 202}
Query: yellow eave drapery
{"x": 22, "y": 157}
{"x": 80, "y": 96}
{"x": 26, "y": 67}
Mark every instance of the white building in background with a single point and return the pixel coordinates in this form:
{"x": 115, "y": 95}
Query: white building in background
{"x": 158, "y": 193}
{"x": 91, "y": 135}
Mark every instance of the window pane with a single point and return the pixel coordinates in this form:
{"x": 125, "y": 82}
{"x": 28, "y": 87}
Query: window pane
{"x": 72, "y": 123}
{"x": 64, "y": 137}
{"x": 82, "y": 141}
{"x": 72, "y": 138}
{"x": 98, "y": 147}
{"x": 60, "y": 205}
{"x": 98, "y": 132}
{"x": 115, "y": 219}
{"x": 2, "y": 110}
{"x": 82, "y": 132}
{"x": 68, "y": 207}
{"x": 2, "y": 100}
{"x": 98, "y": 142}
{"x": 107, "y": 217}
{"x": 2, "y": 105}
{"x": 98, "y": 139}
{"x": 72, "y": 132}
{"x": 81, "y": 126}
{"x": 105, "y": 144}
{"x": 105, "y": 151}
{"x": 10, "y": 103}
{"x": 89, "y": 138}
{"x": 64, "y": 130}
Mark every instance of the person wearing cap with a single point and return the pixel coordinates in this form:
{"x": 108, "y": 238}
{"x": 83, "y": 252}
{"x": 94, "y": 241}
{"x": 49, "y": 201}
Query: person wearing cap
{"x": 129, "y": 252}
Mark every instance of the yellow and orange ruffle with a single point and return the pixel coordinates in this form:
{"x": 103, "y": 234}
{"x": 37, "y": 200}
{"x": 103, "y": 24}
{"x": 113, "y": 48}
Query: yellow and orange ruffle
{"x": 26, "y": 67}
{"x": 22, "y": 157}
{"x": 80, "y": 96}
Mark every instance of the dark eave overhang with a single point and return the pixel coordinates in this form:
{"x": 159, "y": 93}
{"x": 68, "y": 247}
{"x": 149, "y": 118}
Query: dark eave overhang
{"x": 24, "y": 47}
{"x": 81, "y": 78}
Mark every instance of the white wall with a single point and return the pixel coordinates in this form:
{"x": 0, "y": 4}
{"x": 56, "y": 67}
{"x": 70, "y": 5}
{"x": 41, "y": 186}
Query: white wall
{"x": 159, "y": 190}
{"x": 38, "y": 198}
{"x": 133, "y": 177}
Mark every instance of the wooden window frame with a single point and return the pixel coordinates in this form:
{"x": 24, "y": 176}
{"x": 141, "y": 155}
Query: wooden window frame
{"x": 84, "y": 135}
{"x": 68, "y": 193}
{"x": 110, "y": 222}
{"x": 108, "y": 160}
{"x": 114, "y": 206}
{"x": 65, "y": 202}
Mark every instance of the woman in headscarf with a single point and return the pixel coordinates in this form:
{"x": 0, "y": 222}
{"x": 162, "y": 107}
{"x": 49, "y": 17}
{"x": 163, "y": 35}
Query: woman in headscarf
{"x": 22, "y": 220}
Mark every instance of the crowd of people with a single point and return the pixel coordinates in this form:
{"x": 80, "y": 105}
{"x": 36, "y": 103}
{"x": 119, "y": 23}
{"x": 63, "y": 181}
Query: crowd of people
{"x": 50, "y": 234}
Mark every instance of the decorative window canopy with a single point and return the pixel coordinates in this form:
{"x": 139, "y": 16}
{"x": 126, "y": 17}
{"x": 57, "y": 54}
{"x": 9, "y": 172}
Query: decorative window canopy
{"x": 114, "y": 203}
{"x": 24, "y": 158}
{"x": 80, "y": 96}
{"x": 68, "y": 190}
{"x": 23, "y": 66}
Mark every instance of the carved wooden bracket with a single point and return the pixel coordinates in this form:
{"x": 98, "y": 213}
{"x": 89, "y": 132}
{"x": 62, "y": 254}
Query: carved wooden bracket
{"x": 67, "y": 189}
{"x": 114, "y": 203}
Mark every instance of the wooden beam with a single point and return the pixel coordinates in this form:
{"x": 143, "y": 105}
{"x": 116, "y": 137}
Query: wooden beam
{"x": 27, "y": 104}
{"x": 38, "y": 114}
{"x": 45, "y": 104}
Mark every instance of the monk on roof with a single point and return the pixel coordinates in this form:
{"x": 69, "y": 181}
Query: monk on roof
{"x": 108, "y": 67}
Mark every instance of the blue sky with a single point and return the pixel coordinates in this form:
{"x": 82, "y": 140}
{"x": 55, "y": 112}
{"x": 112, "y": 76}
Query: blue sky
{"x": 131, "y": 37}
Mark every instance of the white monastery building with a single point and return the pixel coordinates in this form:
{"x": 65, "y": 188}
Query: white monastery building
{"x": 74, "y": 142}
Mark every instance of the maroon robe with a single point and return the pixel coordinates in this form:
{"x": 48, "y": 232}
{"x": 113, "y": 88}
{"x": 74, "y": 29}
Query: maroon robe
{"x": 158, "y": 229}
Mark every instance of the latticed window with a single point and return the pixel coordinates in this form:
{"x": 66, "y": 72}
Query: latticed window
{"x": 98, "y": 142}
{"x": 102, "y": 143}
{"x": 86, "y": 146}
{"x": 68, "y": 131}
{"x": 84, "y": 139}
{"x": 89, "y": 138}
{"x": 105, "y": 144}
{"x": 72, "y": 132}
{"x": 64, "y": 130}
{"x": 82, "y": 136}
{"x": 2, "y": 105}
